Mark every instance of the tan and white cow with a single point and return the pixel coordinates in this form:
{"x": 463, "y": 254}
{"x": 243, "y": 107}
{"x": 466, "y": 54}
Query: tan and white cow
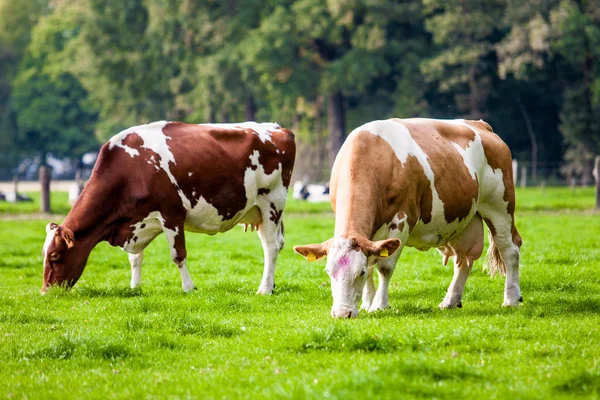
{"x": 170, "y": 177}
{"x": 421, "y": 183}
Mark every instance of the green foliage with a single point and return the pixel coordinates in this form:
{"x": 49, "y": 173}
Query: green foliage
{"x": 102, "y": 339}
{"x": 53, "y": 115}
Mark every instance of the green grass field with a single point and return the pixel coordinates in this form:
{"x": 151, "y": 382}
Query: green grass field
{"x": 103, "y": 340}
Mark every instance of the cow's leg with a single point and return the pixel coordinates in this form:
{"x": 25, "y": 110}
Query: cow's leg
{"x": 176, "y": 239}
{"x": 453, "y": 298}
{"x": 504, "y": 253}
{"x": 385, "y": 269}
{"x": 136, "y": 268}
{"x": 271, "y": 235}
{"x": 368, "y": 291}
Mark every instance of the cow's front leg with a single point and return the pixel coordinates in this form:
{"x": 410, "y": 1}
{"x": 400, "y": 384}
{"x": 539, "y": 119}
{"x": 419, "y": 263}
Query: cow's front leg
{"x": 176, "y": 239}
{"x": 385, "y": 269}
{"x": 453, "y": 298}
{"x": 271, "y": 236}
{"x": 136, "y": 268}
{"x": 368, "y": 291}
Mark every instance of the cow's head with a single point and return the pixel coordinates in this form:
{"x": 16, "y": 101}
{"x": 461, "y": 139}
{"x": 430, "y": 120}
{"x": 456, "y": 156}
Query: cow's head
{"x": 347, "y": 267}
{"x": 63, "y": 262}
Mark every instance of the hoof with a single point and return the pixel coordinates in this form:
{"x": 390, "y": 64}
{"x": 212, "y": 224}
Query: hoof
{"x": 264, "y": 291}
{"x": 190, "y": 290}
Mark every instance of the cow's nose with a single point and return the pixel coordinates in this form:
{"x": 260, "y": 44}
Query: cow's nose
{"x": 340, "y": 314}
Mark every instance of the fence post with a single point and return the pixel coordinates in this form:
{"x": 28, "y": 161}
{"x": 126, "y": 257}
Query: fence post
{"x": 515, "y": 166}
{"x": 596, "y": 174}
{"x": 45, "y": 188}
{"x": 523, "y": 177}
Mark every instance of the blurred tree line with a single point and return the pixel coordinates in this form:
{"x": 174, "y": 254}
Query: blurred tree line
{"x": 75, "y": 72}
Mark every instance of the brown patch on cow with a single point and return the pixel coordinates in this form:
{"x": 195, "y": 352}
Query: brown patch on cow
{"x": 393, "y": 226}
{"x": 275, "y": 214}
{"x": 142, "y": 226}
{"x": 490, "y": 226}
{"x": 377, "y": 195}
{"x": 263, "y": 191}
{"x": 461, "y": 135}
{"x": 452, "y": 180}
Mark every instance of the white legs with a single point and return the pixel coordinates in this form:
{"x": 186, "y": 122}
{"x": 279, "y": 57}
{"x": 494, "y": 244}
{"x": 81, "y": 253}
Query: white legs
{"x": 136, "y": 269}
{"x": 453, "y": 298}
{"x": 271, "y": 236}
{"x": 186, "y": 280}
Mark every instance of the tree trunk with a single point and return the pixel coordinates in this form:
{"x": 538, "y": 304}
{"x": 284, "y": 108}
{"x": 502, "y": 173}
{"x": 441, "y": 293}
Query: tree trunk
{"x": 45, "y": 176}
{"x": 597, "y": 177}
{"x": 532, "y": 139}
{"x": 336, "y": 116}
{"x": 474, "y": 95}
{"x": 320, "y": 146}
{"x": 249, "y": 107}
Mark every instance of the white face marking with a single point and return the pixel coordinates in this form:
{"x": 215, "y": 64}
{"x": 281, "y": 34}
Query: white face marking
{"x": 345, "y": 266}
{"x": 262, "y": 130}
{"x": 49, "y": 237}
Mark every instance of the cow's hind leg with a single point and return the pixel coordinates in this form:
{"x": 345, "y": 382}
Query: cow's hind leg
{"x": 271, "y": 233}
{"x": 176, "y": 239}
{"x": 136, "y": 268}
{"x": 504, "y": 254}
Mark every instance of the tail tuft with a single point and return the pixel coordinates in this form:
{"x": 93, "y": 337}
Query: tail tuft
{"x": 493, "y": 261}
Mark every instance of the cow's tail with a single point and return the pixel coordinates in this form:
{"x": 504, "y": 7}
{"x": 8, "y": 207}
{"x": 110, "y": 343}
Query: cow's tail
{"x": 493, "y": 260}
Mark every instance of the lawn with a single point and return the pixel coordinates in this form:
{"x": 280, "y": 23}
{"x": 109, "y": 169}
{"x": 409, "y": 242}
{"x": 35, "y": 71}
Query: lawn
{"x": 103, "y": 340}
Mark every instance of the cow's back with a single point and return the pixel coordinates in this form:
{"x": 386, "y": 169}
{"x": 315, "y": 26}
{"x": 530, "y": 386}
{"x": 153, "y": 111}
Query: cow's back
{"x": 211, "y": 173}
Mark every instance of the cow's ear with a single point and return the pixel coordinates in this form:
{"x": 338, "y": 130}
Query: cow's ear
{"x": 67, "y": 235}
{"x": 313, "y": 252}
{"x": 381, "y": 248}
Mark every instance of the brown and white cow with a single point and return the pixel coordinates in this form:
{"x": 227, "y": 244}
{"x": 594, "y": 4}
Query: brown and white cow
{"x": 421, "y": 183}
{"x": 170, "y": 177}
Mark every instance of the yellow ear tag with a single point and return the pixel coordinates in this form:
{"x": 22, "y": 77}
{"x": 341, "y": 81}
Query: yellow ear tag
{"x": 311, "y": 257}
{"x": 384, "y": 253}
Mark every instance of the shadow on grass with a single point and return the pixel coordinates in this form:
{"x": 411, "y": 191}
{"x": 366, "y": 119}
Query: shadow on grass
{"x": 586, "y": 382}
{"x": 67, "y": 346}
{"x": 107, "y": 291}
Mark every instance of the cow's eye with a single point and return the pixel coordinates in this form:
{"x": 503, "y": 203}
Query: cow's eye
{"x": 362, "y": 272}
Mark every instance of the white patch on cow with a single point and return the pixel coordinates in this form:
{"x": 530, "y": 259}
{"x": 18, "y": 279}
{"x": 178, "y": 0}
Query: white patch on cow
{"x": 263, "y": 130}
{"x": 154, "y": 139}
{"x": 190, "y": 173}
{"x": 145, "y": 231}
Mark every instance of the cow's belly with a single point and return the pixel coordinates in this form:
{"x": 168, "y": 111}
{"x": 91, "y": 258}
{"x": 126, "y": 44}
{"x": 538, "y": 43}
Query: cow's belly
{"x": 437, "y": 232}
{"x": 204, "y": 218}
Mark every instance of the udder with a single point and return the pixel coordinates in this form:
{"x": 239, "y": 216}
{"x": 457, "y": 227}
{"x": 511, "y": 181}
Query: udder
{"x": 467, "y": 245}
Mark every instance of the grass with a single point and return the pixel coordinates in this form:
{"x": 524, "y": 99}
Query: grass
{"x": 104, "y": 340}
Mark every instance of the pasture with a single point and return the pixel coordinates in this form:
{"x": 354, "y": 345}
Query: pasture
{"x": 103, "y": 340}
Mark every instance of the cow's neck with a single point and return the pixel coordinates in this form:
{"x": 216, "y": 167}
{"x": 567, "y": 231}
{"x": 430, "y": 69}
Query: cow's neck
{"x": 356, "y": 207}
{"x": 94, "y": 216}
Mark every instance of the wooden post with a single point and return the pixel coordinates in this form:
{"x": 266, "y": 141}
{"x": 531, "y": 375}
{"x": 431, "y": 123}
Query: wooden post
{"x": 596, "y": 174}
{"x": 515, "y": 166}
{"x": 45, "y": 188}
{"x": 523, "y": 177}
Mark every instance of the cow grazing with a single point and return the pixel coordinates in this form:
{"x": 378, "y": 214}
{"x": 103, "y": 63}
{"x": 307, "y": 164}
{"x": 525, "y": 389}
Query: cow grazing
{"x": 421, "y": 183}
{"x": 170, "y": 177}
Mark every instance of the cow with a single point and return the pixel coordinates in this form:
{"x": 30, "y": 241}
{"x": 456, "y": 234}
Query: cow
{"x": 421, "y": 183}
{"x": 311, "y": 192}
{"x": 171, "y": 177}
